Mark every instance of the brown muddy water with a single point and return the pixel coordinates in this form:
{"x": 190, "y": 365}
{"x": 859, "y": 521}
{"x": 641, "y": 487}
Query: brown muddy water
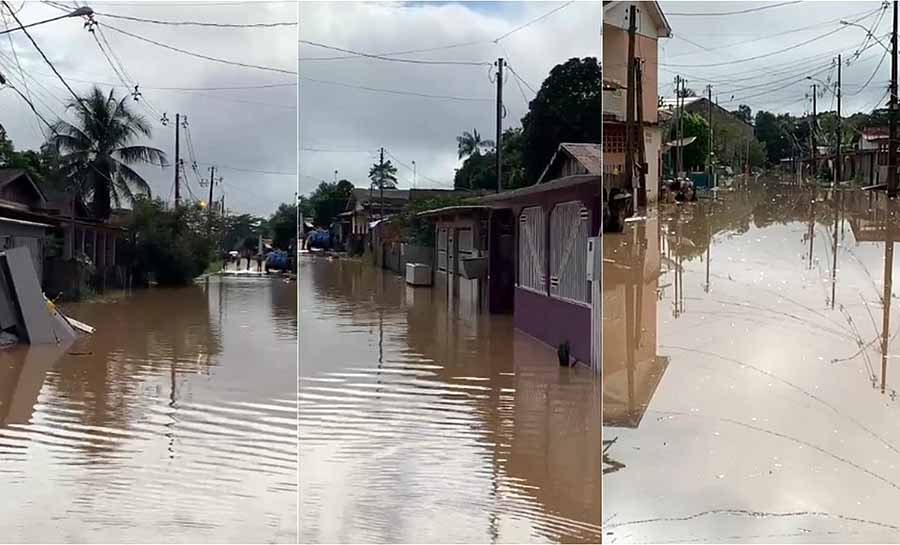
{"x": 427, "y": 422}
{"x": 174, "y": 422}
{"x": 750, "y": 389}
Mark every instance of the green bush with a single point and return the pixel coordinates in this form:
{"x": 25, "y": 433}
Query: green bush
{"x": 175, "y": 246}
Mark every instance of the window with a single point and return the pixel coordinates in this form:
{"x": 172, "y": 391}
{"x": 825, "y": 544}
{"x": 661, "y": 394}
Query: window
{"x": 532, "y": 249}
{"x": 570, "y": 225}
{"x": 442, "y": 249}
{"x": 613, "y": 138}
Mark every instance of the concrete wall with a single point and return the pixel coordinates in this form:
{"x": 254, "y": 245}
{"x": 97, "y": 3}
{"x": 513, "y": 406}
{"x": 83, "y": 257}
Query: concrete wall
{"x": 615, "y": 61}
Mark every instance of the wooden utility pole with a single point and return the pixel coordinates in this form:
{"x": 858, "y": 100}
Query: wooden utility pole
{"x": 177, "y": 162}
{"x": 892, "y": 142}
{"x": 499, "y": 124}
{"x": 838, "y": 165}
{"x": 629, "y": 101}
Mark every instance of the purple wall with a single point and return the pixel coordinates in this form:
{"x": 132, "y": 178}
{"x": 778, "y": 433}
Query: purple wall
{"x": 553, "y": 321}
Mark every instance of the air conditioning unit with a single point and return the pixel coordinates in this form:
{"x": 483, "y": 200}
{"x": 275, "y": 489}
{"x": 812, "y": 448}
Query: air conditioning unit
{"x": 418, "y": 274}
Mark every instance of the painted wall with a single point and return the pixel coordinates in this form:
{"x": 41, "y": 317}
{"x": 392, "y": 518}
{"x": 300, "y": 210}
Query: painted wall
{"x": 554, "y": 321}
{"x": 615, "y": 57}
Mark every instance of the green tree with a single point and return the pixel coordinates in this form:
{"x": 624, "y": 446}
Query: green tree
{"x": 694, "y": 153}
{"x": 470, "y": 143}
{"x": 566, "y": 109}
{"x": 744, "y": 113}
{"x": 100, "y": 149}
{"x": 282, "y": 225}
{"x": 479, "y": 170}
{"x": 327, "y": 201}
{"x": 383, "y": 175}
{"x": 239, "y": 228}
{"x": 174, "y": 245}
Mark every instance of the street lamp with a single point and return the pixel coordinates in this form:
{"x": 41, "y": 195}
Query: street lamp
{"x": 868, "y": 33}
{"x": 83, "y": 11}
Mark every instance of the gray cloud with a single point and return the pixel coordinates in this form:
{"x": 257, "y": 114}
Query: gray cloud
{"x": 253, "y": 129}
{"x": 775, "y": 82}
{"x": 414, "y": 128}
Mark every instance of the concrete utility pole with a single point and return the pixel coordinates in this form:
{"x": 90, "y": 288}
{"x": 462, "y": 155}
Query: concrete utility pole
{"x": 709, "y": 145}
{"x": 499, "y": 124}
{"x": 212, "y": 182}
{"x": 629, "y": 101}
{"x": 177, "y": 162}
{"x": 892, "y": 142}
{"x": 639, "y": 133}
{"x": 381, "y": 182}
{"x": 838, "y": 166}
{"x": 812, "y": 138}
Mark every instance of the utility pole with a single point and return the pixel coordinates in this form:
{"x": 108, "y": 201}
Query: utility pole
{"x": 639, "y": 133}
{"x": 837, "y": 171}
{"x": 709, "y": 145}
{"x": 812, "y": 138}
{"x": 212, "y": 182}
{"x": 177, "y": 162}
{"x": 499, "y": 123}
{"x": 629, "y": 101}
{"x": 381, "y": 182}
{"x": 892, "y": 142}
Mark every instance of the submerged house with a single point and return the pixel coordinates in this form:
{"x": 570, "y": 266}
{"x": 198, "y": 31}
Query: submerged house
{"x": 526, "y": 251}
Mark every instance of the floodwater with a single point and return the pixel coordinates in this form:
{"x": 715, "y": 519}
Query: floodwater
{"x": 750, "y": 389}
{"x": 427, "y": 422}
{"x": 174, "y": 422}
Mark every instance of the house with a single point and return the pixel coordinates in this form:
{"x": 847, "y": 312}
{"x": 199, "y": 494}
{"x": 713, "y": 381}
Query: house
{"x": 525, "y": 252}
{"x": 20, "y": 224}
{"x": 871, "y": 156}
{"x": 651, "y": 25}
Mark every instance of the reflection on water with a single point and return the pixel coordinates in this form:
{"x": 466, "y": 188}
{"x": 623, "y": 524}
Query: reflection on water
{"x": 417, "y": 425}
{"x": 175, "y": 421}
{"x": 752, "y": 398}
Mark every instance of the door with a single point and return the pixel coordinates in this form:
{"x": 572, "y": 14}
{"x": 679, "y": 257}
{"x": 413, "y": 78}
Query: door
{"x": 502, "y": 263}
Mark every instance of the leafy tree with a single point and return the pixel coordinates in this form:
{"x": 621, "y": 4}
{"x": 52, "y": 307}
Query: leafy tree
{"x": 239, "y": 228}
{"x": 687, "y": 92}
{"x": 383, "y": 175}
{"x": 470, "y": 143}
{"x": 329, "y": 200}
{"x": 694, "y": 153}
{"x": 744, "y": 113}
{"x": 479, "y": 171}
{"x": 771, "y": 131}
{"x": 282, "y": 225}
{"x": 566, "y": 109}
{"x": 100, "y": 149}
{"x": 174, "y": 245}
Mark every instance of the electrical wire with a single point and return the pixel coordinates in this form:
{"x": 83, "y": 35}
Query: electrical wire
{"x": 395, "y": 59}
{"x": 531, "y": 22}
{"x": 19, "y": 65}
{"x": 200, "y": 55}
{"x": 273, "y": 172}
{"x": 397, "y": 53}
{"x": 395, "y": 91}
{"x": 36, "y": 46}
{"x": 739, "y": 12}
{"x": 195, "y": 23}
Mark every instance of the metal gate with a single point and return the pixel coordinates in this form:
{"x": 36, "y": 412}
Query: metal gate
{"x": 532, "y": 249}
{"x": 569, "y": 231}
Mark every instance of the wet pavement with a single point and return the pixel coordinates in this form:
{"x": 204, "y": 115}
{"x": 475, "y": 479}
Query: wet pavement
{"x": 174, "y": 422}
{"x": 749, "y": 388}
{"x": 427, "y": 422}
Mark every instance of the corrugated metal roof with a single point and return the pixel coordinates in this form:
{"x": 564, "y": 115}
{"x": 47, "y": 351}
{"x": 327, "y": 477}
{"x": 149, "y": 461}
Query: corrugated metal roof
{"x": 559, "y": 183}
{"x": 589, "y": 155}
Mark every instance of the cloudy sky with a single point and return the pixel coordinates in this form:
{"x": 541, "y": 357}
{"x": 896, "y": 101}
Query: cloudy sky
{"x": 761, "y": 58}
{"x": 244, "y": 132}
{"x": 342, "y": 128}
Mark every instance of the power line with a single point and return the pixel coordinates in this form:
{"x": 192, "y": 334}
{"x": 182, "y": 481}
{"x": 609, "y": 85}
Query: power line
{"x": 200, "y": 55}
{"x": 394, "y": 59}
{"x": 529, "y": 23}
{"x": 739, "y": 12}
{"x": 396, "y": 53}
{"x": 36, "y": 46}
{"x": 196, "y": 23}
{"x": 396, "y": 91}
{"x": 273, "y": 172}
{"x": 757, "y": 57}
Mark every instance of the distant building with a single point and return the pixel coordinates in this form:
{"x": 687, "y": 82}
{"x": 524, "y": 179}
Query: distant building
{"x": 651, "y": 26}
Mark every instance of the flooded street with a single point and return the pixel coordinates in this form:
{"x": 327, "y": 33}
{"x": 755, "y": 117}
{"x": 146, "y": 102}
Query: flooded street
{"x": 750, "y": 379}
{"x": 174, "y": 422}
{"x": 427, "y": 422}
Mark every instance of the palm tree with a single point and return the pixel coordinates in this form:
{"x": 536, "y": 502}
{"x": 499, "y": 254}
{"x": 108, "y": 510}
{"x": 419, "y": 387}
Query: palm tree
{"x": 470, "y": 143}
{"x": 100, "y": 148}
{"x": 383, "y": 175}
